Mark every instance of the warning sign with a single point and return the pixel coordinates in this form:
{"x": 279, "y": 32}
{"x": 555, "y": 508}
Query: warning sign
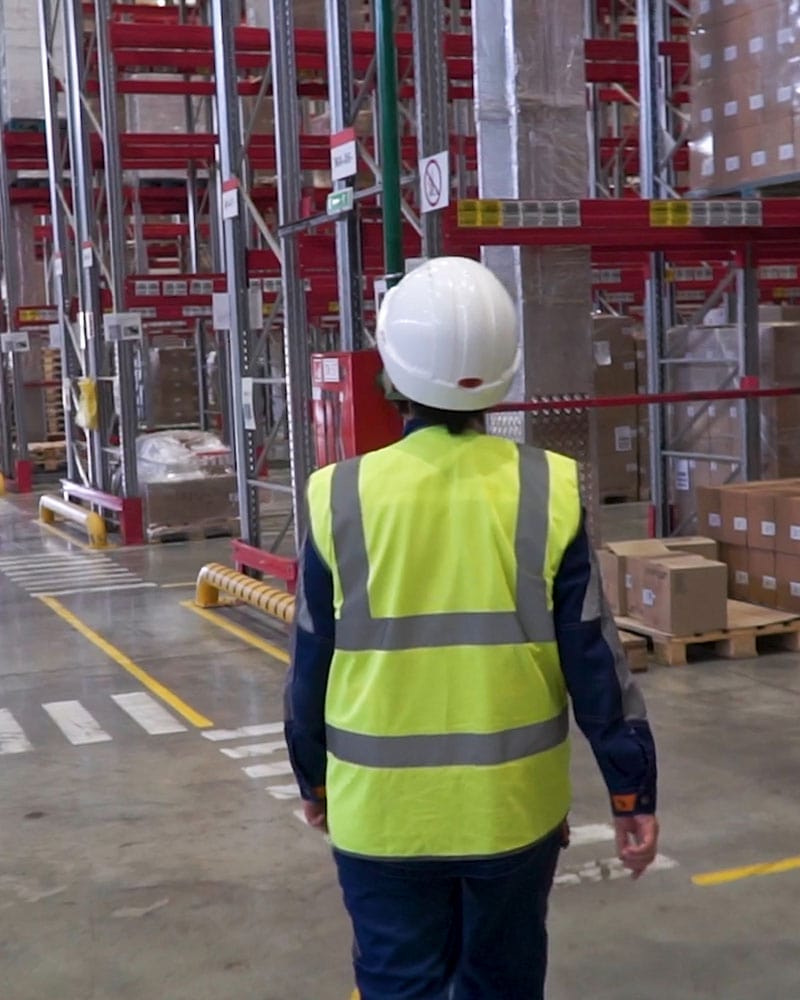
{"x": 434, "y": 182}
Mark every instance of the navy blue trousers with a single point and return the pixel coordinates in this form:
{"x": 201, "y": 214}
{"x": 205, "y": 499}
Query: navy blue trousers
{"x": 450, "y": 930}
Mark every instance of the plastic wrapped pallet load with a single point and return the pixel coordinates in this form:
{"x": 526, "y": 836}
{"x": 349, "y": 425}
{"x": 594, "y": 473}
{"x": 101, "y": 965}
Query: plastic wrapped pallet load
{"x": 187, "y": 484}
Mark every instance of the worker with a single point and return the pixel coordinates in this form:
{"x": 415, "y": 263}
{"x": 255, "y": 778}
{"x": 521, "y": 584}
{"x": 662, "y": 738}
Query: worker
{"x": 448, "y": 604}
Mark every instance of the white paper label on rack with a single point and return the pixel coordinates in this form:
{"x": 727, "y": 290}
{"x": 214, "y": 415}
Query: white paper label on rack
{"x": 740, "y": 524}
{"x": 769, "y": 583}
{"x": 794, "y": 532}
{"x": 705, "y": 61}
{"x": 683, "y": 481}
{"x": 344, "y": 155}
{"x": 330, "y": 370}
{"x": 731, "y": 109}
{"x": 756, "y": 102}
{"x": 648, "y": 598}
{"x": 756, "y": 44}
{"x": 706, "y": 115}
{"x": 628, "y": 581}
{"x": 147, "y": 289}
{"x": 255, "y": 306}
{"x": 221, "y": 311}
{"x": 742, "y": 577}
{"x": 176, "y": 288}
{"x": 794, "y": 588}
{"x": 87, "y": 255}
{"x": 768, "y": 529}
{"x": 714, "y": 521}
{"x": 623, "y": 439}
{"x": 785, "y": 36}
{"x": 16, "y": 342}
{"x": 758, "y": 158}
{"x": 230, "y": 198}
{"x": 201, "y": 286}
{"x": 55, "y": 337}
{"x": 434, "y": 182}
{"x": 731, "y": 53}
{"x": 247, "y": 404}
{"x": 119, "y": 327}
{"x": 58, "y": 265}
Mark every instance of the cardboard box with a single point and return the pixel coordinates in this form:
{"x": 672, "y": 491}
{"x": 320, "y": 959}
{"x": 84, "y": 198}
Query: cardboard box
{"x": 685, "y": 595}
{"x": 694, "y": 545}
{"x": 763, "y": 587}
{"x": 709, "y": 511}
{"x": 736, "y": 559}
{"x": 787, "y": 570}
{"x": 614, "y": 560}
{"x": 733, "y": 505}
{"x": 614, "y": 353}
{"x": 787, "y": 516}
{"x": 617, "y": 472}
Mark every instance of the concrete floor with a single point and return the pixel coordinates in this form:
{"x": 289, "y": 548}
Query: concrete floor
{"x": 154, "y": 866}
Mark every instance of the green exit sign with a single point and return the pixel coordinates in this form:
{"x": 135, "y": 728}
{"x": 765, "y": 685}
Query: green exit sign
{"x": 339, "y": 201}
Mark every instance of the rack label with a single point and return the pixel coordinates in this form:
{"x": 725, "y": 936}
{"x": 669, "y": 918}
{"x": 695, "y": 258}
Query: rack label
{"x": 230, "y": 198}
{"x": 344, "y": 154}
{"x": 721, "y": 213}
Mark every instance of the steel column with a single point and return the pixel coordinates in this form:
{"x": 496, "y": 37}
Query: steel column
{"x": 389, "y": 140}
{"x": 112, "y": 165}
{"x": 224, "y": 21}
{"x": 61, "y": 280}
{"x": 649, "y": 17}
{"x": 340, "y": 99}
{"x": 13, "y": 440}
{"x": 749, "y": 360}
{"x": 90, "y": 320}
{"x": 296, "y": 347}
{"x": 431, "y": 103}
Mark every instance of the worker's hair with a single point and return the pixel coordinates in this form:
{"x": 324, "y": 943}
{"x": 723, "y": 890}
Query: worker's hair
{"x": 456, "y": 421}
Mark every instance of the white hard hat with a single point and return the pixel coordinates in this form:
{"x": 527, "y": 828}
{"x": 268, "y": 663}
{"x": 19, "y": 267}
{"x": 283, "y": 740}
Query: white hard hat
{"x": 447, "y": 335}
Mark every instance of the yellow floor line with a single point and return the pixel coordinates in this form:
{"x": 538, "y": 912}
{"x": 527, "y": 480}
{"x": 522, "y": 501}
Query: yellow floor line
{"x": 156, "y": 687}
{"x": 748, "y": 871}
{"x": 67, "y": 537}
{"x": 241, "y": 633}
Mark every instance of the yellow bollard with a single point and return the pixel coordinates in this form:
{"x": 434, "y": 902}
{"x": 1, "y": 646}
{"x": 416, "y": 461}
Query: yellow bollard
{"x": 215, "y": 578}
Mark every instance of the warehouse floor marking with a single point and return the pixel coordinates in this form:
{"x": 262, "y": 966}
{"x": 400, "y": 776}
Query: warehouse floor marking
{"x": 727, "y": 875}
{"x": 61, "y": 574}
{"x": 241, "y": 633}
{"x": 121, "y": 659}
{"x": 80, "y": 727}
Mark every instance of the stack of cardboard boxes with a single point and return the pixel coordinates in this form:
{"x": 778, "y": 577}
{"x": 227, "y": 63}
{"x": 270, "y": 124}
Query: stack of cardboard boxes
{"x": 758, "y": 528}
{"x": 174, "y": 397}
{"x": 745, "y": 108}
{"x": 621, "y": 434}
{"x": 675, "y": 587}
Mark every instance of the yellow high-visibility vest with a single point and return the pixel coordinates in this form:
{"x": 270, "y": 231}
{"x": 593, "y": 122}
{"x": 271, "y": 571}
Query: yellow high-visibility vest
{"x": 446, "y": 708}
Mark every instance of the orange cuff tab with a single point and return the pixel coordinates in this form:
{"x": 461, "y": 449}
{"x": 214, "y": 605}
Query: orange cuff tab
{"x": 624, "y": 803}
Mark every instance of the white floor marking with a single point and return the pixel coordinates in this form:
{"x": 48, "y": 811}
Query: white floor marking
{"x": 12, "y": 737}
{"x": 253, "y": 749}
{"x": 591, "y": 833}
{"x": 605, "y": 870}
{"x": 148, "y": 713}
{"x": 70, "y": 576}
{"x": 93, "y": 590}
{"x": 268, "y": 729}
{"x": 283, "y": 792}
{"x": 76, "y": 723}
{"x": 268, "y": 770}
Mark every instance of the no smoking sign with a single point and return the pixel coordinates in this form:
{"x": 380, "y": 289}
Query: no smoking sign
{"x": 434, "y": 182}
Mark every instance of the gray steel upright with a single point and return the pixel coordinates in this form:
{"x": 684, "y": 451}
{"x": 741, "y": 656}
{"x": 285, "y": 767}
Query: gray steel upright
{"x": 749, "y": 361}
{"x": 90, "y": 318}
{"x": 287, "y": 146}
{"x": 340, "y": 99}
{"x": 430, "y": 77}
{"x": 653, "y": 184}
{"x": 62, "y": 266}
{"x": 14, "y": 381}
{"x": 224, "y": 21}
{"x": 128, "y": 422}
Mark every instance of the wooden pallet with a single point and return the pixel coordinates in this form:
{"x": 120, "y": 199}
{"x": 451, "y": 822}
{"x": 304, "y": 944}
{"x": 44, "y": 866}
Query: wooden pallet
{"x": 748, "y": 624}
{"x": 635, "y": 647}
{"x": 199, "y": 532}
{"x": 48, "y": 455}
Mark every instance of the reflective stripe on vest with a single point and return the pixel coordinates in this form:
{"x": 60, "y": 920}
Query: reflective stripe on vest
{"x": 531, "y": 622}
{"x": 448, "y": 749}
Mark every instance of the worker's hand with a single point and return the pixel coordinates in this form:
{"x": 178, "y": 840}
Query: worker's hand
{"x": 316, "y": 815}
{"x": 637, "y": 842}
